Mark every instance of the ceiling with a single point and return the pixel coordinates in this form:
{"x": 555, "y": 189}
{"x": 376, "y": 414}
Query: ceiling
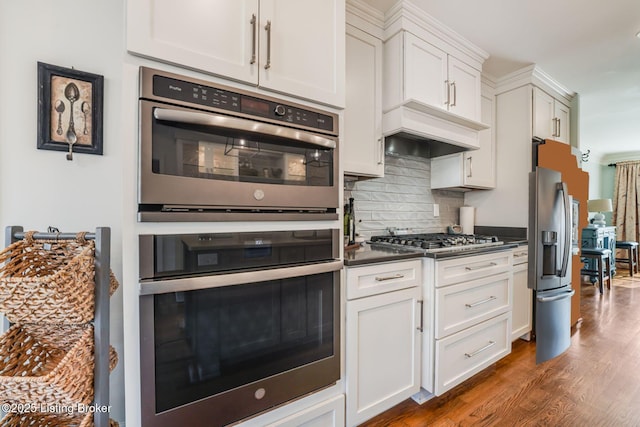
{"x": 588, "y": 46}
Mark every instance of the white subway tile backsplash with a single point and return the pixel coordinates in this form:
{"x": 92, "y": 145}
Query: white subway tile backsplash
{"x": 402, "y": 199}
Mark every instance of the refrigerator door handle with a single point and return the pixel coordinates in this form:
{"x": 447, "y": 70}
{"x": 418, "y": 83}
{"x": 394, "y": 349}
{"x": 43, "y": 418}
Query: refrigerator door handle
{"x": 557, "y": 297}
{"x": 562, "y": 186}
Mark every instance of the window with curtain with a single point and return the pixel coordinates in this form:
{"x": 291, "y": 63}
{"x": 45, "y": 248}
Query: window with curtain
{"x": 626, "y": 201}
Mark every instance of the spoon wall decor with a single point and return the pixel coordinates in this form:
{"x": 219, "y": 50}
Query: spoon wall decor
{"x": 60, "y": 109}
{"x": 72, "y": 93}
{"x": 84, "y": 107}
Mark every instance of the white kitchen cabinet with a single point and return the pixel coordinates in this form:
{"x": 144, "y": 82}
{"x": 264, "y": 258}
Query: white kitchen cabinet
{"x": 383, "y": 338}
{"x": 521, "y": 322}
{"x": 463, "y": 269}
{"x": 363, "y": 145}
{"x": 473, "y": 169}
{"x": 465, "y": 304}
{"x": 329, "y": 413}
{"x": 427, "y": 75}
{"x": 464, "y": 354}
{"x": 376, "y": 279}
{"x": 471, "y": 300}
{"x": 551, "y": 118}
{"x": 294, "y": 47}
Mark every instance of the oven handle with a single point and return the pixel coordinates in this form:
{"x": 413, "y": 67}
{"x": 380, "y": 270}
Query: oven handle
{"x": 215, "y": 120}
{"x": 152, "y": 287}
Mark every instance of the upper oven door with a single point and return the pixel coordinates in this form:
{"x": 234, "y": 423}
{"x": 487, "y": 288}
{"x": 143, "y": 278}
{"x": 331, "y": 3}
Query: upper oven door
{"x": 202, "y": 160}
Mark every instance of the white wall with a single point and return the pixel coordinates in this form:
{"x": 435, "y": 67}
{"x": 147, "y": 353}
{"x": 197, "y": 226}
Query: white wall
{"x": 508, "y": 204}
{"x": 41, "y": 188}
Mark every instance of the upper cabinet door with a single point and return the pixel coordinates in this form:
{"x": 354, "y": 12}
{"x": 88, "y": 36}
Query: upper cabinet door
{"x": 464, "y": 90}
{"x": 302, "y": 48}
{"x": 363, "y": 147}
{"x": 562, "y": 124}
{"x": 294, "y": 47}
{"x": 215, "y": 36}
{"x": 480, "y": 165}
{"x": 551, "y": 118}
{"x": 425, "y": 72}
{"x": 542, "y": 114}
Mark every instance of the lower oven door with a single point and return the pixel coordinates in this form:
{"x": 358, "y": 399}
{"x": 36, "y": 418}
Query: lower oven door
{"x": 221, "y": 348}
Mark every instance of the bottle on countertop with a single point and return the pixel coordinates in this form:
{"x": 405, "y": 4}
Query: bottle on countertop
{"x": 345, "y": 225}
{"x": 352, "y": 223}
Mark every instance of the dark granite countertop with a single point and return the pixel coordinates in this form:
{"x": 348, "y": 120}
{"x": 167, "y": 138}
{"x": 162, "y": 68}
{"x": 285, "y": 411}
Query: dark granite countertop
{"x": 511, "y": 235}
{"x": 372, "y": 253}
{"x": 515, "y": 241}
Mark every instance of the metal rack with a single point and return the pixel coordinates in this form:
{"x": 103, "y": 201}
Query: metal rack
{"x": 102, "y": 256}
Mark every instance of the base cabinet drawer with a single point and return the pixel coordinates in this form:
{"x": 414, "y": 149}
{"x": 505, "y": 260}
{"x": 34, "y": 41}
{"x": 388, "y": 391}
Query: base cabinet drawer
{"x": 466, "y": 304}
{"x": 464, "y": 354}
{"x": 463, "y": 269}
{"x": 381, "y": 278}
{"x": 329, "y": 413}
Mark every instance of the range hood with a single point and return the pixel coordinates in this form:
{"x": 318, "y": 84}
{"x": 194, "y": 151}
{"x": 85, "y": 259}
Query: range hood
{"x": 418, "y": 129}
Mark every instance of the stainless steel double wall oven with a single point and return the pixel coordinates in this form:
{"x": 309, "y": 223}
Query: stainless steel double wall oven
{"x": 211, "y": 153}
{"x": 235, "y": 323}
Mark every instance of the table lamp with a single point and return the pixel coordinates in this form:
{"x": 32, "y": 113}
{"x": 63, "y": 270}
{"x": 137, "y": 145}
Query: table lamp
{"x": 599, "y": 206}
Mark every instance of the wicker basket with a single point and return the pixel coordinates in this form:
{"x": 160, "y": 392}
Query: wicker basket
{"x": 50, "y": 420}
{"x": 49, "y": 281}
{"x": 41, "y": 364}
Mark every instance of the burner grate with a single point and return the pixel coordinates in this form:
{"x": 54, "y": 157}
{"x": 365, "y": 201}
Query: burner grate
{"x": 438, "y": 242}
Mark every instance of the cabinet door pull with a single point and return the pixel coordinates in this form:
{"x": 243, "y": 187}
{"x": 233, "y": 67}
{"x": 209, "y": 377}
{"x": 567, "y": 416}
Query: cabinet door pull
{"x": 559, "y": 128}
{"x": 491, "y": 264}
{"x": 446, "y": 86}
{"x": 254, "y": 24}
{"x": 453, "y": 85}
{"x": 470, "y": 174}
{"x": 421, "y": 325}
{"x": 484, "y": 301}
{"x": 268, "y": 29}
{"x": 480, "y": 350}
{"x": 395, "y": 276}
{"x": 381, "y": 152}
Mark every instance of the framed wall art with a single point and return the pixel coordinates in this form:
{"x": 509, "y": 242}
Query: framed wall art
{"x": 70, "y": 104}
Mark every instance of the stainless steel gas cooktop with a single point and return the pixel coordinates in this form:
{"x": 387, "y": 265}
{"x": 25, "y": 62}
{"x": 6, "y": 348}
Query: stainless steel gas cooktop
{"x": 436, "y": 242}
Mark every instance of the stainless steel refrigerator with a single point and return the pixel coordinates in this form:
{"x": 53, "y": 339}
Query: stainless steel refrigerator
{"x": 550, "y": 252}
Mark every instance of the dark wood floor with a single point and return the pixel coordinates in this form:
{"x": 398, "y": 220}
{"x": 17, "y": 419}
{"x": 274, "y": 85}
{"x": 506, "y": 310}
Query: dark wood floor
{"x": 595, "y": 383}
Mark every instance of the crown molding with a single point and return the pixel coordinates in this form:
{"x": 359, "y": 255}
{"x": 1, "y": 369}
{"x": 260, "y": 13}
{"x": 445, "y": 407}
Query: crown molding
{"x": 366, "y": 13}
{"x": 407, "y": 10}
{"x": 532, "y": 74}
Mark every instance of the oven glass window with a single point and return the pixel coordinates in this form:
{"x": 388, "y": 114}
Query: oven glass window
{"x": 213, "y": 340}
{"x": 205, "y": 153}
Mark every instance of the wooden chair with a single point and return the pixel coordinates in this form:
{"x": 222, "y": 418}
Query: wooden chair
{"x": 602, "y": 271}
{"x": 632, "y": 255}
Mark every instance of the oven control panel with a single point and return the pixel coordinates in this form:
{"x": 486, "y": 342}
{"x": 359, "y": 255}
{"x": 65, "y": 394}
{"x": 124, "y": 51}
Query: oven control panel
{"x": 212, "y": 96}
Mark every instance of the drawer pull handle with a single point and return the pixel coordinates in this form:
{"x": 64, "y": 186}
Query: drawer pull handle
{"x": 484, "y": 301}
{"x": 520, "y": 255}
{"x": 491, "y": 264}
{"x": 395, "y": 276}
{"x": 480, "y": 350}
